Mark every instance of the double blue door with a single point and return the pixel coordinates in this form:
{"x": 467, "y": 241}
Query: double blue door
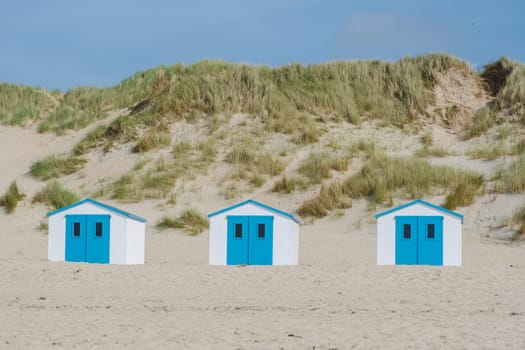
{"x": 250, "y": 240}
{"x": 419, "y": 240}
{"x": 87, "y": 238}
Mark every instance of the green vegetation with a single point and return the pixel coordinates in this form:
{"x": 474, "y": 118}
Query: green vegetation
{"x": 497, "y": 150}
{"x": 83, "y": 105}
{"x": 155, "y": 181}
{"x": 381, "y": 176}
{"x": 506, "y": 81}
{"x": 432, "y": 152}
{"x": 427, "y": 139}
{"x": 11, "y": 197}
{"x": 56, "y": 166}
{"x": 20, "y": 104}
{"x": 512, "y": 179}
{"x": 319, "y": 163}
{"x": 152, "y": 140}
{"x": 43, "y": 226}
{"x": 56, "y": 196}
{"x": 519, "y": 220}
{"x": 289, "y": 185}
{"x": 332, "y": 196}
{"x": 190, "y": 221}
{"x": 482, "y": 122}
{"x": 246, "y": 157}
{"x": 286, "y": 98}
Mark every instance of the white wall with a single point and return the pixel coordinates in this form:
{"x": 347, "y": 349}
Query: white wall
{"x": 285, "y": 235}
{"x": 386, "y": 234}
{"x": 218, "y": 239}
{"x": 57, "y": 232}
{"x": 117, "y": 238}
{"x": 136, "y": 236}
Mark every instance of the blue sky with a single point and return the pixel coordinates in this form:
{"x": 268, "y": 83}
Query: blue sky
{"x": 59, "y": 44}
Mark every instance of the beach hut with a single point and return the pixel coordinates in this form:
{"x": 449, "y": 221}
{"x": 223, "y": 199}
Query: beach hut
{"x": 253, "y": 233}
{"x": 419, "y": 233}
{"x": 94, "y": 232}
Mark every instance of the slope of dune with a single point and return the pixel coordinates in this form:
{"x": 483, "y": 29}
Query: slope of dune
{"x": 337, "y": 297}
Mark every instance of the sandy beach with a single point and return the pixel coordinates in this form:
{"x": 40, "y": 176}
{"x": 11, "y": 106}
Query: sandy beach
{"x": 337, "y": 298}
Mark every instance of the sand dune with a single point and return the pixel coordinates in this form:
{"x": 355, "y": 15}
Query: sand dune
{"x": 337, "y": 298}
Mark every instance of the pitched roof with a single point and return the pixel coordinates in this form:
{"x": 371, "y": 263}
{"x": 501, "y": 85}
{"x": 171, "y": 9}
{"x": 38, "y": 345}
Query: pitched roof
{"x": 262, "y": 205}
{"x": 428, "y": 204}
{"x": 99, "y": 204}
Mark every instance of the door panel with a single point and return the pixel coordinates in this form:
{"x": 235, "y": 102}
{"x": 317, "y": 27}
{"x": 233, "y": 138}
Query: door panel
{"x": 237, "y": 240}
{"x": 430, "y": 240}
{"x": 406, "y": 240}
{"x": 76, "y": 238}
{"x": 98, "y": 233}
{"x": 260, "y": 245}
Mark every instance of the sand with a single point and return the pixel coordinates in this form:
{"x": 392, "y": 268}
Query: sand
{"x": 337, "y": 298}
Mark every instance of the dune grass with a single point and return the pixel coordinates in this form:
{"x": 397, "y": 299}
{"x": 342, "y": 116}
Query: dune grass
{"x": 286, "y": 98}
{"x": 56, "y": 166}
{"x": 11, "y": 198}
{"x": 151, "y": 182}
{"x": 331, "y": 196}
{"x": 190, "y": 221}
{"x": 519, "y": 221}
{"x": 319, "y": 164}
{"x": 83, "y": 105}
{"x": 248, "y": 159}
{"x": 151, "y": 141}
{"x": 288, "y": 185}
{"x": 432, "y": 152}
{"x": 506, "y": 80}
{"x": 483, "y": 120}
{"x": 512, "y": 178}
{"x": 56, "y": 196}
{"x": 382, "y": 177}
{"x": 22, "y": 104}
{"x": 427, "y": 139}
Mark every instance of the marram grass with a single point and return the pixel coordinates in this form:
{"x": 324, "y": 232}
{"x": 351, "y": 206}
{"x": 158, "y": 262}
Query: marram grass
{"x": 383, "y": 177}
{"x": 11, "y": 197}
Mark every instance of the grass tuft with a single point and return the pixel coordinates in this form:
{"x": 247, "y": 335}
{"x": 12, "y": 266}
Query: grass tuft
{"x": 11, "y": 197}
{"x": 332, "y": 196}
{"x": 519, "y": 221}
{"x": 319, "y": 163}
{"x": 151, "y": 141}
{"x": 56, "y": 166}
{"x": 482, "y": 122}
{"x": 432, "y": 152}
{"x": 381, "y": 177}
{"x": 288, "y": 185}
{"x": 21, "y": 105}
{"x": 190, "y": 221}
{"x": 56, "y": 196}
{"x": 512, "y": 179}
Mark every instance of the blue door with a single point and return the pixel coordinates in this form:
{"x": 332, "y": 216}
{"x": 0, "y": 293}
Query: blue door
{"x": 260, "y": 245}
{"x": 430, "y": 236}
{"x": 87, "y": 238}
{"x": 97, "y": 239}
{"x": 76, "y": 238}
{"x": 250, "y": 240}
{"x": 419, "y": 240}
{"x": 406, "y": 240}
{"x": 237, "y": 245}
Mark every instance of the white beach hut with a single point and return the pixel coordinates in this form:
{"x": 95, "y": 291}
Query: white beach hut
{"x": 253, "y": 233}
{"x": 419, "y": 233}
{"x": 93, "y": 232}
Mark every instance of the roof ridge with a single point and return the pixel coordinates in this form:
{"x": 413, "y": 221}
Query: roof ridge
{"x": 100, "y": 204}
